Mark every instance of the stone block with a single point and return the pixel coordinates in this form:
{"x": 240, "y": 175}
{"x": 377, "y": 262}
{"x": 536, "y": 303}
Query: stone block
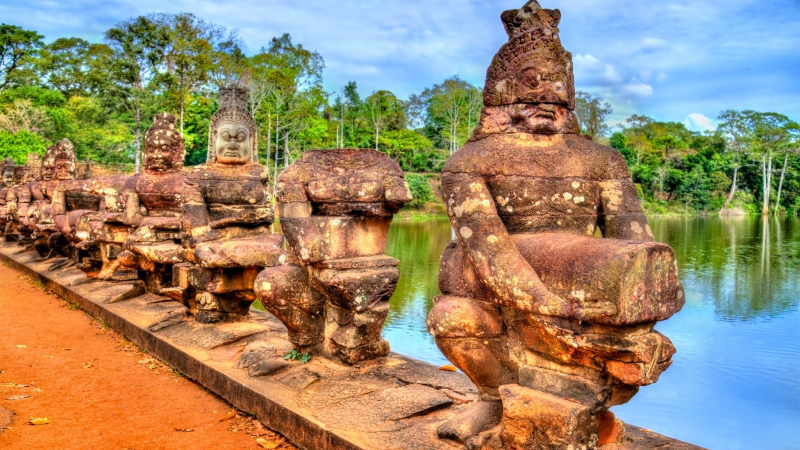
{"x": 534, "y": 420}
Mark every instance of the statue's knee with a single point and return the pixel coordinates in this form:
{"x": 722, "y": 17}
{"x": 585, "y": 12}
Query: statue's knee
{"x": 462, "y": 317}
{"x": 283, "y": 286}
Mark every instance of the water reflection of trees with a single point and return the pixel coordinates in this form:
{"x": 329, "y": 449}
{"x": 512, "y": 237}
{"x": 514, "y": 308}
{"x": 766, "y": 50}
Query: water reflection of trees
{"x": 749, "y": 266}
{"x": 419, "y": 246}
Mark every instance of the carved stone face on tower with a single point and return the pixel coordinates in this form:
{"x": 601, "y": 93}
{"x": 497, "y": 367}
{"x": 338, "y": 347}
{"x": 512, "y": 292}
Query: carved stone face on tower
{"x": 163, "y": 146}
{"x": 232, "y": 133}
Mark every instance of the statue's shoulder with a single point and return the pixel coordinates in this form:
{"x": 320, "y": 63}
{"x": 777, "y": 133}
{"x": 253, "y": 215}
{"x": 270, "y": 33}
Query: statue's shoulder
{"x": 198, "y": 172}
{"x": 608, "y": 162}
{"x": 70, "y": 185}
{"x": 474, "y": 156}
{"x": 256, "y": 170}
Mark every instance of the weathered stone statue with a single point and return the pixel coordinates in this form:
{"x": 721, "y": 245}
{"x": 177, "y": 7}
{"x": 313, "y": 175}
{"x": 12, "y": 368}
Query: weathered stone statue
{"x": 226, "y": 218}
{"x": 97, "y": 234}
{"x": 8, "y": 183}
{"x": 19, "y": 200}
{"x": 336, "y": 207}
{"x": 153, "y": 207}
{"x": 70, "y": 200}
{"x": 553, "y": 325}
{"x": 58, "y": 166}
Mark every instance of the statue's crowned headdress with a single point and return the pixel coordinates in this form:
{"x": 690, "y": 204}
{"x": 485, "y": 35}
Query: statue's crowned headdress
{"x": 64, "y": 151}
{"x": 164, "y": 137}
{"x": 232, "y": 110}
{"x": 34, "y": 165}
{"x": 532, "y": 67}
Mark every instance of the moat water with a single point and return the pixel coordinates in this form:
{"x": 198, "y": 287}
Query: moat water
{"x": 735, "y": 381}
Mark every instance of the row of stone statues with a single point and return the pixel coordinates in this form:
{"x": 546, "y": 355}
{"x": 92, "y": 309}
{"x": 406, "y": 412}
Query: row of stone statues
{"x": 553, "y": 325}
{"x": 203, "y": 236}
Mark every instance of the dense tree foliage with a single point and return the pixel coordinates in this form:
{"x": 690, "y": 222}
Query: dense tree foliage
{"x": 750, "y": 162}
{"x": 103, "y": 95}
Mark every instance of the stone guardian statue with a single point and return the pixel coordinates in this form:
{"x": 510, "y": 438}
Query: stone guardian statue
{"x": 226, "y": 218}
{"x": 553, "y": 324}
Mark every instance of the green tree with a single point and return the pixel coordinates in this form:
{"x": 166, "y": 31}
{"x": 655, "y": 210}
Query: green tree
{"x": 138, "y": 50}
{"x": 410, "y": 149}
{"x": 18, "y": 145}
{"x": 188, "y": 56}
{"x": 15, "y": 45}
{"x": 448, "y": 111}
{"x": 592, "y": 114}
{"x": 72, "y": 66}
{"x": 385, "y": 112}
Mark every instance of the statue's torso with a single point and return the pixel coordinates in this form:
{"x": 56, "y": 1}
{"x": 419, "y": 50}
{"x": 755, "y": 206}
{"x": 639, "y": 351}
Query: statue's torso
{"x": 160, "y": 194}
{"x": 545, "y": 185}
{"x": 234, "y": 195}
{"x": 4, "y": 195}
{"x": 78, "y": 198}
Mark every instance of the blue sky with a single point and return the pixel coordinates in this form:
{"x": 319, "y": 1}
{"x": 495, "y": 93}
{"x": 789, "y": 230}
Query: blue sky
{"x": 678, "y": 60}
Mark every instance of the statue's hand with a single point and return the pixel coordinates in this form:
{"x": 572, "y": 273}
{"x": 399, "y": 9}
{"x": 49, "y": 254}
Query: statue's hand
{"x": 134, "y": 221}
{"x": 590, "y": 311}
{"x": 316, "y": 252}
{"x": 552, "y": 304}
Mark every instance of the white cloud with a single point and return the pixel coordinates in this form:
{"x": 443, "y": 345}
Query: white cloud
{"x": 635, "y": 91}
{"x": 593, "y": 72}
{"x": 651, "y": 44}
{"x": 699, "y": 122}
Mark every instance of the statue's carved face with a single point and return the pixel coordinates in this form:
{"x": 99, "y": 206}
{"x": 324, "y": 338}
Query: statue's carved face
{"x": 544, "y": 82}
{"x": 8, "y": 178}
{"x": 158, "y": 160}
{"x": 63, "y": 170}
{"x": 543, "y": 118}
{"x": 155, "y": 160}
{"x": 233, "y": 144}
{"x": 21, "y": 176}
{"x": 48, "y": 168}
{"x": 163, "y": 146}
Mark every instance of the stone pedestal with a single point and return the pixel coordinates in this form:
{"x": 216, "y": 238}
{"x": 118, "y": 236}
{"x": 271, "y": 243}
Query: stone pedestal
{"x": 533, "y": 420}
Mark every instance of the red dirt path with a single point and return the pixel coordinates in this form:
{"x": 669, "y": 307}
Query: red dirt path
{"x": 98, "y": 390}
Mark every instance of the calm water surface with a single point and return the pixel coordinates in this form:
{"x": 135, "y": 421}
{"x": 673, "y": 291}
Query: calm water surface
{"x": 735, "y": 381}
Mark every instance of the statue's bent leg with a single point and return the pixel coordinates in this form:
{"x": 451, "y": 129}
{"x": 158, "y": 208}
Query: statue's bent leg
{"x": 357, "y": 303}
{"x": 471, "y": 335}
{"x": 285, "y": 292}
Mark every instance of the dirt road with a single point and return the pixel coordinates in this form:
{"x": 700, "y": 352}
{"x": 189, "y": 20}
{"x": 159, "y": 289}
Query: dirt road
{"x": 96, "y": 389}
